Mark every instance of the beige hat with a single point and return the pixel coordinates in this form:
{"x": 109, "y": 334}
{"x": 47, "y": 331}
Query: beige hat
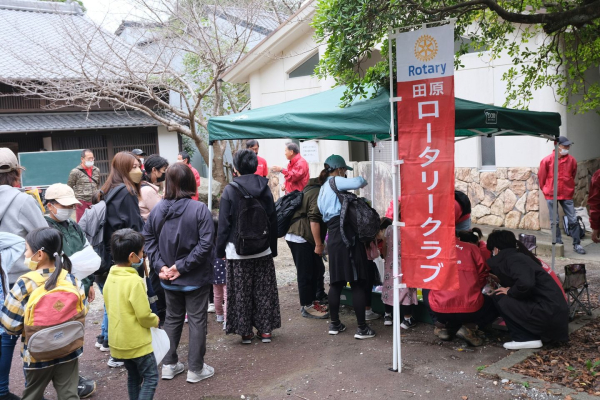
{"x": 8, "y": 160}
{"x": 62, "y": 193}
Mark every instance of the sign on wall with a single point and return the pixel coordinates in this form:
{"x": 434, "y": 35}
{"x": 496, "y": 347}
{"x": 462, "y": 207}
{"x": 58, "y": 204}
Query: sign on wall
{"x": 310, "y": 151}
{"x": 425, "y": 73}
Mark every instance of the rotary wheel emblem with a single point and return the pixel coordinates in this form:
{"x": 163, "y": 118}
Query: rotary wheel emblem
{"x": 426, "y": 48}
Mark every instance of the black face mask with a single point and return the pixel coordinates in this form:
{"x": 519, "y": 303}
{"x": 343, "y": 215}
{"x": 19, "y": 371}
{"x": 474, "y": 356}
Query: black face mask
{"x": 161, "y": 178}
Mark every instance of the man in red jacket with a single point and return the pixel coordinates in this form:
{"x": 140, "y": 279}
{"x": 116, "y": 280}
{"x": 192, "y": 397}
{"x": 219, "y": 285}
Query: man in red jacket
{"x": 184, "y": 157}
{"x": 262, "y": 169}
{"x": 594, "y": 203}
{"x": 296, "y": 174}
{"x": 567, "y": 171}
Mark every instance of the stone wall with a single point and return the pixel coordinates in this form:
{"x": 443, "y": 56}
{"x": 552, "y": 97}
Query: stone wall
{"x": 585, "y": 170}
{"x": 506, "y": 197}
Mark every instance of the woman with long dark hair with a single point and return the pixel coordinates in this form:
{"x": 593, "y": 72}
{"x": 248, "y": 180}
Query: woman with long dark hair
{"x": 252, "y": 297}
{"x": 179, "y": 237}
{"x": 121, "y": 193}
{"x": 44, "y": 256}
{"x": 530, "y": 301}
{"x": 346, "y": 264}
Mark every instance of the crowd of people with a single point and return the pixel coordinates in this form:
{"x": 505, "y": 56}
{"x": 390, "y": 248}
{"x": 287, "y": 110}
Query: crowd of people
{"x": 164, "y": 259}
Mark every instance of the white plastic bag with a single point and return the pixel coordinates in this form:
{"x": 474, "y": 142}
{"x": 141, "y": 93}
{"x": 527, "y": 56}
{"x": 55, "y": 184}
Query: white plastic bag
{"x": 380, "y": 263}
{"x": 85, "y": 262}
{"x": 160, "y": 344}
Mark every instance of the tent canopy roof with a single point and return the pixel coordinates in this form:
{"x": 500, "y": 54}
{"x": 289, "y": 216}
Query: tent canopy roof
{"x": 319, "y": 117}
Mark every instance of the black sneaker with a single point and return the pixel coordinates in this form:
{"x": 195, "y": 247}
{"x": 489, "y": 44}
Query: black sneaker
{"x": 408, "y": 323}
{"x": 388, "y": 320}
{"x": 85, "y": 388}
{"x": 336, "y": 327}
{"x": 364, "y": 333}
{"x": 323, "y": 300}
{"x": 10, "y": 396}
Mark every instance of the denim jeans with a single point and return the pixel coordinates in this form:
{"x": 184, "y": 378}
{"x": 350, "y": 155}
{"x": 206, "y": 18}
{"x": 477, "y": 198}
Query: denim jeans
{"x": 7, "y": 349}
{"x": 569, "y": 210}
{"x": 104, "y": 327}
{"x": 142, "y": 377}
{"x": 463, "y": 226}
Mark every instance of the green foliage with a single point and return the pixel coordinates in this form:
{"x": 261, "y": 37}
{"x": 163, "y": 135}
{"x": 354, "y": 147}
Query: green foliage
{"x": 188, "y": 145}
{"x": 481, "y": 368}
{"x": 525, "y": 384}
{"x": 561, "y": 51}
{"x": 591, "y": 366}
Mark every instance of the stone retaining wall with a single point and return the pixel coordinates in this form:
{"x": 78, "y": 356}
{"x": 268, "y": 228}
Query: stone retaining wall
{"x": 585, "y": 170}
{"x": 506, "y": 197}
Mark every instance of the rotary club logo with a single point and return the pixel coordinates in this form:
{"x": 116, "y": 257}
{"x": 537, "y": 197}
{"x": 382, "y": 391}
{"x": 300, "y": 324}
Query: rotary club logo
{"x": 426, "y": 48}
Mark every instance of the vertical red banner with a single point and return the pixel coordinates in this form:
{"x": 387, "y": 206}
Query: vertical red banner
{"x": 426, "y": 144}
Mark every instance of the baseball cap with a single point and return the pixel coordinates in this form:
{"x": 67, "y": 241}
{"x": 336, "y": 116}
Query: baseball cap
{"x": 8, "y": 160}
{"x": 335, "y": 162}
{"x": 62, "y": 193}
{"x": 564, "y": 141}
{"x": 138, "y": 152}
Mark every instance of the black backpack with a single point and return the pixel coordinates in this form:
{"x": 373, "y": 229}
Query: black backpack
{"x": 252, "y": 229}
{"x": 568, "y": 228}
{"x": 357, "y": 215}
{"x": 286, "y": 207}
{"x": 463, "y": 200}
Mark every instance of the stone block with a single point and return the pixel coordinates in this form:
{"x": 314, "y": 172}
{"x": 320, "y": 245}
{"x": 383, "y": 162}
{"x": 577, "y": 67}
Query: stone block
{"x": 510, "y": 199}
{"x": 463, "y": 174}
{"x": 461, "y": 186}
{"x": 520, "y": 204}
{"x": 531, "y": 221}
{"x": 488, "y": 180}
{"x": 501, "y": 185}
{"x": 532, "y": 183}
{"x": 519, "y": 174}
{"x": 489, "y": 198}
{"x": 532, "y": 203}
{"x": 203, "y": 192}
{"x": 479, "y": 211}
{"x": 512, "y": 220}
{"x": 475, "y": 174}
{"x": 582, "y": 170}
{"x": 518, "y": 187}
{"x": 492, "y": 220}
{"x": 502, "y": 173}
{"x": 475, "y": 193}
{"x": 498, "y": 207}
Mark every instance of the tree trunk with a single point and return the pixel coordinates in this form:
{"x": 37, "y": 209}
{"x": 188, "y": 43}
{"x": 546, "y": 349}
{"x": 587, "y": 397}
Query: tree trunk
{"x": 218, "y": 172}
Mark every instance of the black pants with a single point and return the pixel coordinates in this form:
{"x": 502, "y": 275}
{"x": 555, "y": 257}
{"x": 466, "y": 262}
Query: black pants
{"x": 310, "y": 270}
{"x": 482, "y": 317}
{"x": 358, "y": 300}
{"x": 517, "y": 332}
{"x": 159, "y": 292}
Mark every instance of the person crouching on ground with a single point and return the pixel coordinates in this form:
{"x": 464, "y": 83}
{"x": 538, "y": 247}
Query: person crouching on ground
{"x": 129, "y": 314}
{"x": 346, "y": 264}
{"x": 531, "y": 303}
{"x": 50, "y": 269}
{"x": 463, "y": 310}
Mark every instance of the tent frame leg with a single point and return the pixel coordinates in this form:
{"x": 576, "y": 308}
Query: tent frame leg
{"x": 211, "y": 155}
{"x": 554, "y": 210}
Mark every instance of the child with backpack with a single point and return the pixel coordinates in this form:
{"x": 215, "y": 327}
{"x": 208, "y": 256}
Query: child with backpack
{"x": 47, "y": 306}
{"x": 129, "y": 314}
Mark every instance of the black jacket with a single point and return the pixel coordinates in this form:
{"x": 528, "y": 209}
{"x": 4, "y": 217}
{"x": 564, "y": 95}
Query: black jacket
{"x": 258, "y": 187}
{"x": 534, "y": 300}
{"x": 186, "y": 240}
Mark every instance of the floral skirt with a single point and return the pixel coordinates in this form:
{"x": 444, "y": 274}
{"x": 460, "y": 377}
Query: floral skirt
{"x": 252, "y": 297}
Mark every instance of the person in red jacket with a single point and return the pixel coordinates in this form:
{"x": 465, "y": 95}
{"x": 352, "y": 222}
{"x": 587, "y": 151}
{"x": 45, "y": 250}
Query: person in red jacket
{"x": 463, "y": 310}
{"x": 594, "y": 203}
{"x": 567, "y": 170}
{"x": 262, "y": 169}
{"x": 184, "y": 157}
{"x": 296, "y": 174}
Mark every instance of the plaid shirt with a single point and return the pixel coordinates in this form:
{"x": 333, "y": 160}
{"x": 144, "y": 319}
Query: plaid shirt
{"x": 13, "y": 314}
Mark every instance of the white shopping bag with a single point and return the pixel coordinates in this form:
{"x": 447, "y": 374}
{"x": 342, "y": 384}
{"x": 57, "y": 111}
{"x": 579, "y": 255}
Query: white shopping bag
{"x": 85, "y": 262}
{"x": 380, "y": 263}
{"x": 160, "y": 344}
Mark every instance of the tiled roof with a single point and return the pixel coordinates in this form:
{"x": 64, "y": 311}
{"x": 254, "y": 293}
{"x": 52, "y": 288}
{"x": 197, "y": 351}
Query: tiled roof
{"x": 10, "y": 123}
{"x": 32, "y": 36}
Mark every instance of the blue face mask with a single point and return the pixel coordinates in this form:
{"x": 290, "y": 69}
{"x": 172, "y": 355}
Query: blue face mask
{"x": 138, "y": 264}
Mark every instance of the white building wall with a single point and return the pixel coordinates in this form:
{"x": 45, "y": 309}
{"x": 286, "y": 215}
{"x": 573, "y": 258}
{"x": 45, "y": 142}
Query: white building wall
{"x": 168, "y": 145}
{"x": 584, "y": 130}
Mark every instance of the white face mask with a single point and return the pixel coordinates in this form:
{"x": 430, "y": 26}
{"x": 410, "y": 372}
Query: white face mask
{"x": 89, "y": 164}
{"x": 179, "y": 160}
{"x": 564, "y": 152}
{"x": 61, "y": 214}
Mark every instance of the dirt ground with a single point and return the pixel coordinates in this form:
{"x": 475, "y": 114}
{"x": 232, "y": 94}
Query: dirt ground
{"x": 304, "y": 362}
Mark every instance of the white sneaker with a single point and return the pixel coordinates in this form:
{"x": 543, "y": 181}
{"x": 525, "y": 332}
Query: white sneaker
{"x": 370, "y": 315}
{"x": 207, "y": 372}
{"x": 532, "y": 344}
{"x": 211, "y": 307}
{"x": 220, "y": 318}
{"x": 170, "y": 370}
{"x": 114, "y": 363}
{"x": 185, "y": 320}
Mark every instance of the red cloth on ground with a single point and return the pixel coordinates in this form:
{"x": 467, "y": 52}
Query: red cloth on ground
{"x": 262, "y": 169}
{"x": 567, "y": 170}
{"x": 594, "y": 201}
{"x": 296, "y": 174}
{"x": 472, "y": 275}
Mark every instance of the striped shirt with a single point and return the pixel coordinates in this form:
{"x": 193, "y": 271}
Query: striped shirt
{"x": 13, "y": 314}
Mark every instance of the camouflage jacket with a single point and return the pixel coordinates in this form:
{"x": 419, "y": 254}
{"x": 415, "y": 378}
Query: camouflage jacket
{"x": 82, "y": 185}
